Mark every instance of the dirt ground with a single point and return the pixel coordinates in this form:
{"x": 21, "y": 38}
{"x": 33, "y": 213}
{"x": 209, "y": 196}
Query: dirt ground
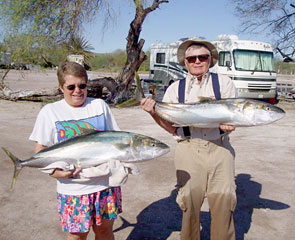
{"x": 265, "y": 177}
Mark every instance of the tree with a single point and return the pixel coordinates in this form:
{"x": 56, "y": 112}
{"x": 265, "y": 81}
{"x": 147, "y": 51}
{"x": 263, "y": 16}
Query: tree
{"x": 276, "y": 17}
{"x": 27, "y": 48}
{"x": 57, "y": 20}
{"x": 60, "y": 20}
{"x": 135, "y": 55}
{"x": 80, "y": 46}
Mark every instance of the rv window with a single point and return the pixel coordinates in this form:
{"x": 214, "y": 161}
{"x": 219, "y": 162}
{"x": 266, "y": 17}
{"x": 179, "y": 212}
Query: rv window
{"x": 160, "y": 58}
{"x": 223, "y": 58}
{"x": 250, "y": 60}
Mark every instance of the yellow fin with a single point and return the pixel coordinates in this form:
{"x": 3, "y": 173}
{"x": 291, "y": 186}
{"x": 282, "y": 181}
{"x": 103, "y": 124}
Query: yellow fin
{"x": 87, "y": 130}
{"x": 205, "y": 99}
{"x": 138, "y": 95}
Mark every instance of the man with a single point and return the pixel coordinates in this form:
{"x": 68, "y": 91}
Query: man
{"x": 204, "y": 158}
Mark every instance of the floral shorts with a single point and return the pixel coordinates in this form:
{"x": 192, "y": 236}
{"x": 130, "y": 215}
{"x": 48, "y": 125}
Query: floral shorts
{"x": 78, "y": 213}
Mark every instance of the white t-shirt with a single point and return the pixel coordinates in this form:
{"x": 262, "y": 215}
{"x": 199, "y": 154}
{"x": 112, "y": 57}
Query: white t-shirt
{"x": 58, "y": 121}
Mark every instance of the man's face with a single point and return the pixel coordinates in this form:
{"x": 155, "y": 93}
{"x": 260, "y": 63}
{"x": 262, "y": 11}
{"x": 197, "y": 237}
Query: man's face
{"x": 74, "y": 90}
{"x": 197, "y": 66}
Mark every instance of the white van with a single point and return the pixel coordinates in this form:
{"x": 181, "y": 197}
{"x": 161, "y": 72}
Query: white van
{"x": 76, "y": 58}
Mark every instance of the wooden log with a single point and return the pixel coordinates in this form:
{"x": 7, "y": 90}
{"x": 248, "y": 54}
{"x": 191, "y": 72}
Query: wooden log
{"x": 104, "y": 88}
{"x": 38, "y": 95}
{"x": 97, "y": 88}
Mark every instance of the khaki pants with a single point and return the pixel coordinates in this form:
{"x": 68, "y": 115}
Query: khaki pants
{"x": 206, "y": 168}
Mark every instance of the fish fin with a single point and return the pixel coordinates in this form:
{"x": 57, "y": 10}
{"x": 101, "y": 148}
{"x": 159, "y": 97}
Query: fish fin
{"x": 122, "y": 146}
{"x": 139, "y": 94}
{"x": 17, "y": 166}
{"x": 84, "y": 131}
{"x": 87, "y": 130}
{"x": 200, "y": 100}
{"x": 129, "y": 103}
{"x": 204, "y": 99}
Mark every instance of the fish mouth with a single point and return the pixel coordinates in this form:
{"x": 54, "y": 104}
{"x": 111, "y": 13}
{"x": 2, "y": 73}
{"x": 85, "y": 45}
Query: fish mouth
{"x": 261, "y": 113}
{"x": 162, "y": 150}
{"x": 279, "y": 110}
{"x": 277, "y": 113}
{"x": 268, "y": 114}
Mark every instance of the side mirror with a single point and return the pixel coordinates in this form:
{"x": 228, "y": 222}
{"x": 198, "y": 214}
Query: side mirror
{"x": 228, "y": 64}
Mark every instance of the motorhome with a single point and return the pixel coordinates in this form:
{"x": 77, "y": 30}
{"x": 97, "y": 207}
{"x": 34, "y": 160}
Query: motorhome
{"x": 249, "y": 64}
{"x": 164, "y": 66}
{"x": 76, "y": 58}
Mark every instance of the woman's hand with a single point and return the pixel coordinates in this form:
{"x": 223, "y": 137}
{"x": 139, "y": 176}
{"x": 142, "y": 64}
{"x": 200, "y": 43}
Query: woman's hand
{"x": 59, "y": 173}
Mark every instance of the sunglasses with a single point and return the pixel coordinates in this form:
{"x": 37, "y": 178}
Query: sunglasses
{"x": 73, "y": 86}
{"x": 202, "y": 58}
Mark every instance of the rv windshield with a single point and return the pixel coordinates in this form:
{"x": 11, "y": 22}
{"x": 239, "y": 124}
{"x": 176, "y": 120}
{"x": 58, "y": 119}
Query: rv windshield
{"x": 247, "y": 60}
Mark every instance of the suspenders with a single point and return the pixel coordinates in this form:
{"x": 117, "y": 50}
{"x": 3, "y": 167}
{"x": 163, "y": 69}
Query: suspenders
{"x": 181, "y": 95}
{"x": 181, "y": 90}
{"x": 216, "y": 87}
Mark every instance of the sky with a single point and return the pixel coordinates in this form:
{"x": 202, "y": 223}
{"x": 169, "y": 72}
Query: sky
{"x": 172, "y": 21}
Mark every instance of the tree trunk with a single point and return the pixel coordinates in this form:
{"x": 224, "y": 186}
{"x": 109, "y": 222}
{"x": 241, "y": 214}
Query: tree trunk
{"x": 135, "y": 55}
{"x": 3, "y": 75}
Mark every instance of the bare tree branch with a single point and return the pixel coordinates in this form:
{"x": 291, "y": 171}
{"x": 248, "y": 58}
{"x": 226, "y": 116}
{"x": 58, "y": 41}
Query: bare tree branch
{"x": 275, "y": 17}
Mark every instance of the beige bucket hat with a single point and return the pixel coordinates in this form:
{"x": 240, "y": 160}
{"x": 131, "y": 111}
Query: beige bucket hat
{"x": 186, "y": 44}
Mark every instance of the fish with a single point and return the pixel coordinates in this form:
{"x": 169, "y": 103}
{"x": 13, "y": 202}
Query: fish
{"x": 92, "y": 149}
{"x": 239, "y": 112}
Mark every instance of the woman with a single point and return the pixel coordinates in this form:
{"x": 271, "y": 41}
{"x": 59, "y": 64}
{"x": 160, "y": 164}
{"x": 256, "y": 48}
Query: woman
{"x": 81, "y": 204}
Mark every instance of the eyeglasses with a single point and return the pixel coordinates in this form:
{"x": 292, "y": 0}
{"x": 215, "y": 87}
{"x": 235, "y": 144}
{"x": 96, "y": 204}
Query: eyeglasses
{"x": 202, "y": 58}
{"x": 73, "y": 86}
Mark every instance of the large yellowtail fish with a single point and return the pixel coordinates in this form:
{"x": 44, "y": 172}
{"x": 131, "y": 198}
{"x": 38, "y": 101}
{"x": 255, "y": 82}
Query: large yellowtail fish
{"x": 93, "y": 149}
{"x": 239, "y": 112}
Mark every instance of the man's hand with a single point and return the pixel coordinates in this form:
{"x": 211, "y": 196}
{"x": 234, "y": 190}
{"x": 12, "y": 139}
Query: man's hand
{"x": 227, "y": 128}
{"x": 59, "y": 173}
{"x": 148, "y": 104}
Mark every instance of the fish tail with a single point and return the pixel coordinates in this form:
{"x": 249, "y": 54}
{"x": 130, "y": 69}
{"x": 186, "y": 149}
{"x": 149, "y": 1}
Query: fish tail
{"x": 17, "y": 167}
{"x": 125, "y": 224}
{"x": 139, "y": 91}
{"x": 138, "y": 95}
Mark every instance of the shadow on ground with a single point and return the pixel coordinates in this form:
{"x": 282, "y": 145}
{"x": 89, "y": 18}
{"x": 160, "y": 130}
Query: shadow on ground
{"x": 161, "y": 218}
{"x": 248, "y": 196}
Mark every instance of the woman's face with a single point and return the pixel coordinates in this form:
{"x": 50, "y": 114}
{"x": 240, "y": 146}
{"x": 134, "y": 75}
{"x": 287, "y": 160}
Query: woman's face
{"x": 74, "y": 90}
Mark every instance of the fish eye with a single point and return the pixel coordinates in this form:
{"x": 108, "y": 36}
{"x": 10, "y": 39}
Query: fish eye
{"x": 267, "y": 108}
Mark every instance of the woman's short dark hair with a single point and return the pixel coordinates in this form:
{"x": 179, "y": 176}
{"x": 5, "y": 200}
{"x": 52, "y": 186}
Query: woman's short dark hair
{"x": 70, "y": 68}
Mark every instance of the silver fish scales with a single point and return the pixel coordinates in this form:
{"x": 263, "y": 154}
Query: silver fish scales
{"x": 239, "y": 112}
{"x": 92, "y": 149}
